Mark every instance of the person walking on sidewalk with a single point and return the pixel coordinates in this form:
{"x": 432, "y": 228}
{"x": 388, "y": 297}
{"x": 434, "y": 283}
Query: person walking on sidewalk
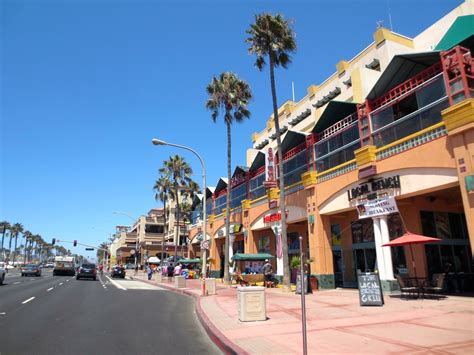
{"x": 268, "y": 273}
{"x": 170, "y": 270}
{"x": 177, "y": 269}
{"x": 149, "y": 272}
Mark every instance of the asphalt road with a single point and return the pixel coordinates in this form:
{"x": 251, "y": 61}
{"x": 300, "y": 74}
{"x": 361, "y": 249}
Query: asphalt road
{"x": 62, "y": 315}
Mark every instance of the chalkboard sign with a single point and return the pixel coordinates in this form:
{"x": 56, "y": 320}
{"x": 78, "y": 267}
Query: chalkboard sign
{"x": 370, "y": 292}
{"x": 298, "y": 284}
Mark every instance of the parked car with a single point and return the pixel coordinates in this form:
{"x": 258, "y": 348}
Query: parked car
{"x": 2, "y": 274}
{"x": 31, "y": 269}
{"x": 86, "y": 271}
{"x": 118, "y": 271}
{"x": 129, "y": 266}
{"x": 49, "y": 265}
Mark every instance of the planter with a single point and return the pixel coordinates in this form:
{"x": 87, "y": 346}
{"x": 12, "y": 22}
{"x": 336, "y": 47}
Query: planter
{"x": 313, "y": 281}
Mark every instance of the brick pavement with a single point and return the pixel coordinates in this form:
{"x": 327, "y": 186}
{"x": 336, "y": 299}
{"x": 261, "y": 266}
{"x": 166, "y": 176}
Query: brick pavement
{"x": 337, "y": 324}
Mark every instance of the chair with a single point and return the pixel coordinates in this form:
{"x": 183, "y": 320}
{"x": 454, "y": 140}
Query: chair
{"x": 435, "y": 288}
{"x": 407, "y": 289}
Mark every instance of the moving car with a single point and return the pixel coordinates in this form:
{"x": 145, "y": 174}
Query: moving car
{"x": 86, "y": 271}
{"x": 118, "y": 271}
{"x": 64, "y": 265}
{"x": 31, "y": 269}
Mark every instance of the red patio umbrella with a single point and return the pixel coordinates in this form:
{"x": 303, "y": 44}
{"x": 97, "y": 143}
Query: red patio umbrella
{"x": 408, "y": 239}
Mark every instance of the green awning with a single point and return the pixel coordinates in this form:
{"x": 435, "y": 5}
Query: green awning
{"x": 461, "y": 32}
{"x": 251, "y": 257}
{"x": 190, "y": 261}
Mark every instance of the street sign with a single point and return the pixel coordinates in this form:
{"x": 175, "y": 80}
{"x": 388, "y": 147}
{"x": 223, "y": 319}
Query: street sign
{"x": 89, "y": 249}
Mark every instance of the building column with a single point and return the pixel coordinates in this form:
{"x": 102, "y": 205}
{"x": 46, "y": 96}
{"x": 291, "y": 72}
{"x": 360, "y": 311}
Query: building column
{"x": 387, "y": 252}
{"x": 379, "y": 248}
{"x": 384, "y": 255}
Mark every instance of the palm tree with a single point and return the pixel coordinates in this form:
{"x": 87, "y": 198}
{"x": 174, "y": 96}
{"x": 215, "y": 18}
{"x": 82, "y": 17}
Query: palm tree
{"x": 229, "y": 95}
{"x": 16, "y": 229}
{"x": 5, "y": 226}
{"x": 162, "y": 187}
{"x": 272, "y": 37}
{"x": 179, "y": 171}
{"x": 28, "y": 237}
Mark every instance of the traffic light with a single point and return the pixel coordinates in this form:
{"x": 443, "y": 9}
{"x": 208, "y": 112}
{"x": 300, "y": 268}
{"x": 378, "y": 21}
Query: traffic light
{"x": 53, "y": 241}
{"x": 75, "y": 243}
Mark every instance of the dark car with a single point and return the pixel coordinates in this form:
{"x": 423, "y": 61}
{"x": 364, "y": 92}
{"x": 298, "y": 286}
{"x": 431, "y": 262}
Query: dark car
{"x": 31, "y": 269}
{"x": 118, "y": 271}
{"x": 86, "y": 271}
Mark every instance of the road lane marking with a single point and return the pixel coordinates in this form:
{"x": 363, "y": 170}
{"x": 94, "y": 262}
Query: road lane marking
{"x": 60, "y": 284}
{"x": 16, "y": 283}
{"x": 3, "y": 313}
{"x": 67, "y": 280}
{"x": 49, "y": 289}
{"x": 116, "y": 284}
{"x": 28, "y": 300}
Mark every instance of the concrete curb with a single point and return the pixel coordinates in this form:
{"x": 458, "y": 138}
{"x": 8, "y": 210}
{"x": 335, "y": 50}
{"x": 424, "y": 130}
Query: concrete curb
{"x": 217, "y": 337}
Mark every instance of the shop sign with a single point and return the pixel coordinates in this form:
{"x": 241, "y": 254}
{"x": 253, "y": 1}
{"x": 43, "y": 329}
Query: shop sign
{"x": 273, "y": 217}
{"x": 378, "y": 207}
{"x": 205, "y": 245}
{"x": 270, "y": 180}
{"x": 372, "y": 186}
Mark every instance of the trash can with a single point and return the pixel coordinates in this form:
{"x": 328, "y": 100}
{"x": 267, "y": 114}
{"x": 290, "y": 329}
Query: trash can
{"x": 179, "y": 281}
{"x": 210, "y": 286}
{"x": 251, "y": 303}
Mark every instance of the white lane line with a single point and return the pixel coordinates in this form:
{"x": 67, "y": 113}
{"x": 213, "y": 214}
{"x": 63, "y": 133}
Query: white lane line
{"x": 28, "y": 300}
{"x": 16, "y": 283}
{"x": 61, "y": 284}
{"x": 116, "y": 284}
{"x": 3, "y": 313}
{"x": 67, "y": 280}
{"x": 49, "y": 289}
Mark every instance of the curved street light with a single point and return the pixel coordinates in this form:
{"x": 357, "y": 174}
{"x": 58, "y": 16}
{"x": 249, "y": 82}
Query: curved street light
{"x": 156, "y": 141}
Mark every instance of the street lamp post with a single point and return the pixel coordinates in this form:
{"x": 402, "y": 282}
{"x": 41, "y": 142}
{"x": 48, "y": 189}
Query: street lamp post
{"x": 138, "y": 234}
{"x": 204, "y": 219}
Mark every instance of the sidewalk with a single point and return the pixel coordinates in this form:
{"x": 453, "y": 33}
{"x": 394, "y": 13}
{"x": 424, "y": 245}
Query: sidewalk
{"x": 336, "y": 323}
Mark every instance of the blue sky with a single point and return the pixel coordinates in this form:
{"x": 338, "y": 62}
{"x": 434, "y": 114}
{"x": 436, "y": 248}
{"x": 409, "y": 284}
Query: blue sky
{"x": 86, "y": 85}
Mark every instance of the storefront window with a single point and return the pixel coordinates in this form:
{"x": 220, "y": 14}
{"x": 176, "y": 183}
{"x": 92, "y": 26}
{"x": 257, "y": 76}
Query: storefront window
{"x": 395, "y": 226}
{"x": 444, "y": 225}
{"x": 362, "y": 231}
{"x": 238, "y": 246}
{"x": 336, "y": 234}
{"x": 264, "y": 244}
{"x": 293, "y": 243}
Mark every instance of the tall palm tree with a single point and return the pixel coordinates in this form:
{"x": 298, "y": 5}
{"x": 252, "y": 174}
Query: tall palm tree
{"x": 179, "y": 172}
{"x": 5, "y": 226}
{"x": 15, "y": 230}
{"x": 28, "y": 238}
{"x": 229, "y": 95}
{"x": 162, "y": 187}
{"x": 272, "y": 37}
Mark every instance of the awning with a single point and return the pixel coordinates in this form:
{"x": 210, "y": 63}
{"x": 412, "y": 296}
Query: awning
{"x": 334, "y": 112}
{"x": 258, "y": 161}
{"x": 461, "y": 32}
{"x": 251, "y": 257}
{"x": 240, "y": 170}
{"x": 292, "y": 139}
{"x": 401, "y": 68}
{"x": 190, "y": 261}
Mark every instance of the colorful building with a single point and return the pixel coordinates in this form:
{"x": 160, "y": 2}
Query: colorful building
{"x": 393, "y": 128}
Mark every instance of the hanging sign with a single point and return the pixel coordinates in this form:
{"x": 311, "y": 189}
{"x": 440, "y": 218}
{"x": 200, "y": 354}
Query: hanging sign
{"x": 378, "y": 207}
{"x": 270, "y": 179}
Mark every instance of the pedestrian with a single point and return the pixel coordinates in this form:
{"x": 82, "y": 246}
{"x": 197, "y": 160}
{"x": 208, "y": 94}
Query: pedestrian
{"x": 268, "y": 273}
{"x": 170, "y": 272}
{"x": 177, "y": 269}
{"x": 149, "y": 271}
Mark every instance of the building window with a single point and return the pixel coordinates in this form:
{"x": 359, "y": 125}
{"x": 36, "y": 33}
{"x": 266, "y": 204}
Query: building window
{"x": 444, "y": 225}
{"x": 256, "y": 187}
{"x": 153, "y": 228}
{"x": 362, "y": 231}
{"x": 238, "y": 194}
{"x": 336, "y": 235}
{"x": 264, "y": 244}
